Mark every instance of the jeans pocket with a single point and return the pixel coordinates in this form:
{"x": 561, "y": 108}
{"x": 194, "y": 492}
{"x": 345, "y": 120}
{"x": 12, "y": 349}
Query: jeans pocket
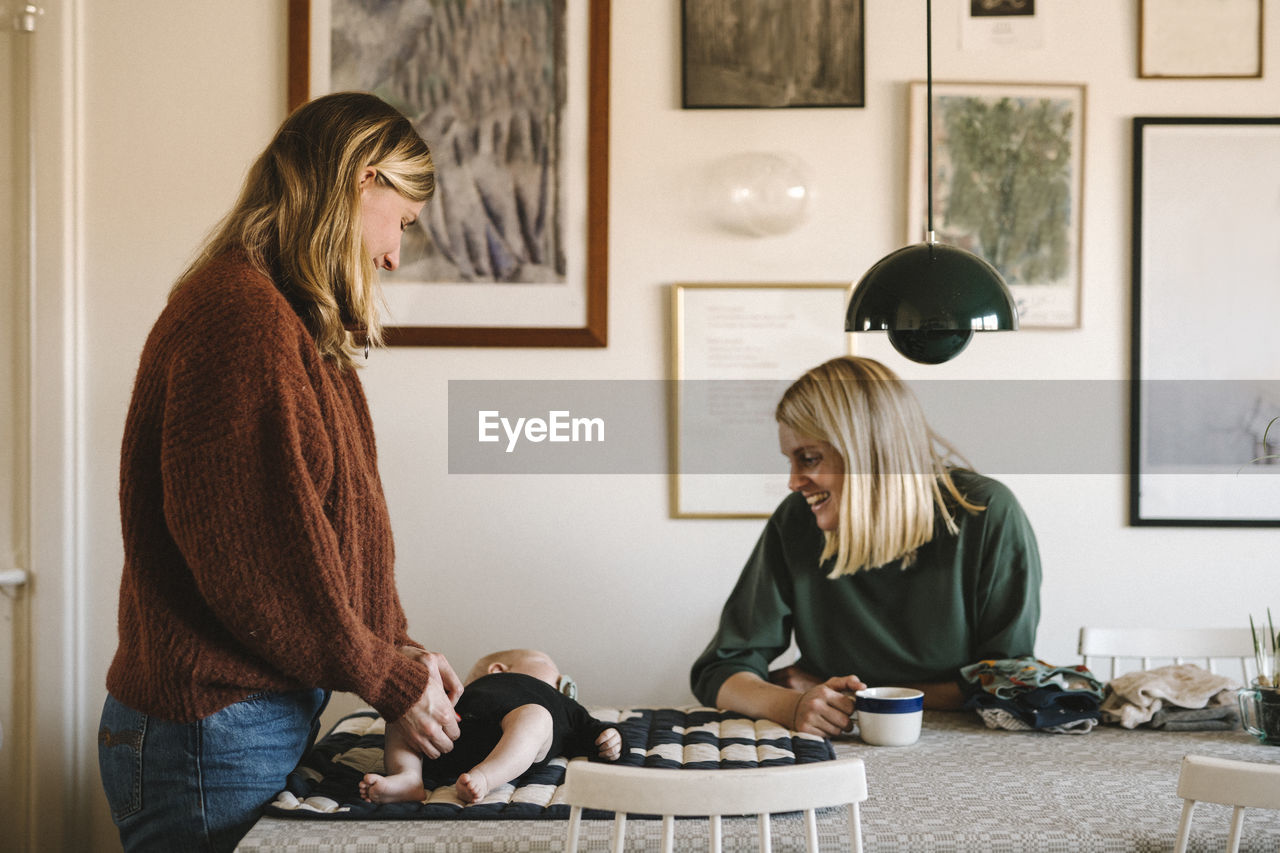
{"x": 121, "y": 735}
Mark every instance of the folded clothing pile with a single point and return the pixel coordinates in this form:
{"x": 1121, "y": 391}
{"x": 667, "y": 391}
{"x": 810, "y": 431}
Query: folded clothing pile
{"x": 1178, "y": 697}
{"x": 1027, "y": 694}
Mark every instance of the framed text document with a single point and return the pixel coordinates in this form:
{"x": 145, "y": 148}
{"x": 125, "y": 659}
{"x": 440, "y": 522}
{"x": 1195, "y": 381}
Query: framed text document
{"x": 736, "y": 349}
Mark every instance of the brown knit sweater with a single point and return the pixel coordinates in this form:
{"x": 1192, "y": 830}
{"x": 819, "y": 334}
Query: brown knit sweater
{"x": 257, "y": 545}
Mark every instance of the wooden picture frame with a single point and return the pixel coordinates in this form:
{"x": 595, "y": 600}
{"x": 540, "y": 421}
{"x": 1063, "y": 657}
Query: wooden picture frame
{"x": 736, "y": 348}
{"x": 1205, "y": 359}
{"x": 772, "y": 53}
{"x": 1033, "y": 235}
{"x": 522, "y": 260}
{"x": 1200, "y": 39}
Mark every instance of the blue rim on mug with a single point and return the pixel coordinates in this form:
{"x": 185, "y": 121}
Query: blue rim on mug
{"x": 890, "y": 700}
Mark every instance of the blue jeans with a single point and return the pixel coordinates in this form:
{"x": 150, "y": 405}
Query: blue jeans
{"x": 200, "y": 786}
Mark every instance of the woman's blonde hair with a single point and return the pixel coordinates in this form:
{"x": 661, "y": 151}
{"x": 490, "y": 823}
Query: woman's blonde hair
{"x": 298, "y": 218}
{"x": 897, "y": 481}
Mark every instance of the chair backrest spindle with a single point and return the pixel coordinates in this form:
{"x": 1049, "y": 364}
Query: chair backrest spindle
{"x": 1153, "y": 646}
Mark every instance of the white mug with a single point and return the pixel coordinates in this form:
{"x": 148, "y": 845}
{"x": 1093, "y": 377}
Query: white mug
{"x": 889, "y": 716}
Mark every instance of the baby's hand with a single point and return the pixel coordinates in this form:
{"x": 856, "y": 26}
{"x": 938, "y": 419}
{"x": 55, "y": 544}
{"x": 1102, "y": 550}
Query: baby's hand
{"x": 609, "y": 744}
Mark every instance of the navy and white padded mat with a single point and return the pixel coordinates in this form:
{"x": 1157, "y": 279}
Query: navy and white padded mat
{"x": 324, "y": 787}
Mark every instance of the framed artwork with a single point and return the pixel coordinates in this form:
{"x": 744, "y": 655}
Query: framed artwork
{"x": 1200, "y": 38}
{"x": 1000, "y": 24}
{"x": 773, "y": 53}
{"x": 736, "y": 349}
{"x": 513, "y": 98}
{"x": 1205, "y": 356}
{"x": 1001, "y": 8}
{"x": 1008, "y": 185}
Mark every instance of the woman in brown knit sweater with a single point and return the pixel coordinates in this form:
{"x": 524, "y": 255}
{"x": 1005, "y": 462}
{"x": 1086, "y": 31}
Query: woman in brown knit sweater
{"x": 258, "y": 572}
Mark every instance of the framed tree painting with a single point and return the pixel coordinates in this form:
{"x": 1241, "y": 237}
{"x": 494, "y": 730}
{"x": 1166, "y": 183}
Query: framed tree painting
{"x": 512, "y": 96}
{"x": 1008, "y": 186}
{"x": 1205, "y": 356}
{"x": 773, "y": 53}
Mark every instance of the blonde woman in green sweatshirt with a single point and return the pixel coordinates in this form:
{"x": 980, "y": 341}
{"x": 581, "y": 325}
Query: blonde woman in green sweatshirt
{"x": 888, "y": 564}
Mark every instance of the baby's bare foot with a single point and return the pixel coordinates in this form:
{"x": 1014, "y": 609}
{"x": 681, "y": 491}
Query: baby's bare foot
{"x": 472, "y": 786}
{"x": 400, "y": 788}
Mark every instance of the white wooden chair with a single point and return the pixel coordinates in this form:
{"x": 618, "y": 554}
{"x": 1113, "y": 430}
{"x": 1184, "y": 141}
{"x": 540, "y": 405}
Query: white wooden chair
{"x": 1242, "y": 784}
{"x": 713, "y": 793}
{"x": 1232, "y": 647}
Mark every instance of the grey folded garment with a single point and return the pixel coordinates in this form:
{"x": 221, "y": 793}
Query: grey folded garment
{"x": 1171, "y": 718}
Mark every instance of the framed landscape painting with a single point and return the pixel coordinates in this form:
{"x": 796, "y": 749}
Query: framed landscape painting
{"x": 512, "y": 96}
{"x": 1008, "y": 186}
{"x": 773, "y": 53}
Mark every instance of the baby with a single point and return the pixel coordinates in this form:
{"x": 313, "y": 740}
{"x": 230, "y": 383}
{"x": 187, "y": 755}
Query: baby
{"x": 511, "y": 717}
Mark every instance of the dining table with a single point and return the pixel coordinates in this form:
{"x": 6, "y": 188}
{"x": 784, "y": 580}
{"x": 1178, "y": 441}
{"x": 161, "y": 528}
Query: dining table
{"x": 962, "y": 786}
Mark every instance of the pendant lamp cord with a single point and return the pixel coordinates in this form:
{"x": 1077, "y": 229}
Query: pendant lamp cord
{"x": 928, "y": 101}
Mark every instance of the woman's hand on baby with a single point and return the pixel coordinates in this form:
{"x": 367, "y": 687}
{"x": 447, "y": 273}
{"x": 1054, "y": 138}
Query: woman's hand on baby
{"x": 827, "y": 709}
{"x": 439, "y": 667}
{"x": 609, "y": 743}
{"x": 431, "y": 725}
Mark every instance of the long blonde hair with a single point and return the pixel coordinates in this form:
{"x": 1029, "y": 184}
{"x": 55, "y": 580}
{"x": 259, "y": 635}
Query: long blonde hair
{"x": 298, "y": 216}
{"x": 897, "y": 480}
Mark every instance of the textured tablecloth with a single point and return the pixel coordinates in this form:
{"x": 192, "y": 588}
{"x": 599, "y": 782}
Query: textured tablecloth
{"x": 961, "y": 787}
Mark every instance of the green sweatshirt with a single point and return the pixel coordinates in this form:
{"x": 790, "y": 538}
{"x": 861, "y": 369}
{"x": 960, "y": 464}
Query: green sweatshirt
{"x": 966, "y": 597}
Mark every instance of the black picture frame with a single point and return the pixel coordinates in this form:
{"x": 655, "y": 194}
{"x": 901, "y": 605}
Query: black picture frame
{"x": 766, "y": 54}
{"x": 1205, "y": 361}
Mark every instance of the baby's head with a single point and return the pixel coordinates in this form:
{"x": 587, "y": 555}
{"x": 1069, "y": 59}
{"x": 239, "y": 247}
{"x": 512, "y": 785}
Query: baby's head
{"x": 527, "y": 661}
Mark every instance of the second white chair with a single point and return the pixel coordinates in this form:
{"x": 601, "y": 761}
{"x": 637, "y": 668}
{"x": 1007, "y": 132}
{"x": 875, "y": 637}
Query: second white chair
{"x": 1201, "y": 646}
{"x": 713, "y": 793}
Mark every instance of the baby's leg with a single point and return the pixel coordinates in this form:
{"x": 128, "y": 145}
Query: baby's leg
{"x": 526, "y": 737}
{"x": 403, "y": 782}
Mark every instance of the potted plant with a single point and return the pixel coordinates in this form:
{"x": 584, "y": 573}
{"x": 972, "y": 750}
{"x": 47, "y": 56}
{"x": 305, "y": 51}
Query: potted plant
{"x": 1265, "y": 653}
{"x": 1260, "y": 704}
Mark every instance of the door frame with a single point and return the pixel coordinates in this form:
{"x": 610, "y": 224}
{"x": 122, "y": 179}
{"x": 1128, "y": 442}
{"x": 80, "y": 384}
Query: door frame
{"x": 62, "y": 769}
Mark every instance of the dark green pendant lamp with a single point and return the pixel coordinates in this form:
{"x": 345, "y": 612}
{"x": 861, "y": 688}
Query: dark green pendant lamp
{"x": 931, "y": 297}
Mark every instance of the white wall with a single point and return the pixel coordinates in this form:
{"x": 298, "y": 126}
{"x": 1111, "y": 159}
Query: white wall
{"x": 181, "y": 95}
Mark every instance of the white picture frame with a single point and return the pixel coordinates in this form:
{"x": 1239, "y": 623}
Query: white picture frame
{"x": 1045, "y": 281}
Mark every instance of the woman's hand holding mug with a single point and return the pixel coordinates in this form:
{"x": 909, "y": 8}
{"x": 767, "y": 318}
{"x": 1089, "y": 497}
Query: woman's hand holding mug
{"x": 827, "y": 708}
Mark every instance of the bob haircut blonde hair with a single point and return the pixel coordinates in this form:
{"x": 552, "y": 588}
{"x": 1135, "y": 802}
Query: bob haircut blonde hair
{"x": 897, "y": 482}
{"x": 298, "y": 218}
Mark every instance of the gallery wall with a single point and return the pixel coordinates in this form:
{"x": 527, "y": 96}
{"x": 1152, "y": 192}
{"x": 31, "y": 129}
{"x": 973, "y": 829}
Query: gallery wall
{"x": 179, "y": 97}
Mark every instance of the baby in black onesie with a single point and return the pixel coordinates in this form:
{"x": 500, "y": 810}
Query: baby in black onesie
{"x": 511, "y": 717}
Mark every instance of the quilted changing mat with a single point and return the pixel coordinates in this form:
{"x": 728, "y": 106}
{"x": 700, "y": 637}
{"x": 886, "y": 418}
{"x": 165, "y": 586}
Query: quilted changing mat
{"x": 324, "y": 787}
